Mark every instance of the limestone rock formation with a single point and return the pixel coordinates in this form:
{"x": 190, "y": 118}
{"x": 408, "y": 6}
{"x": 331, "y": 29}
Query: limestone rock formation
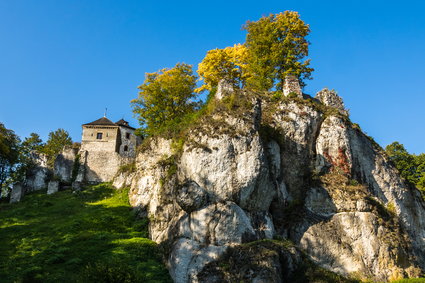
{"x": 291, "y": 169}
{"x": 64, "y": 163}
{"x": 331, "y": 98}
{"x": 38, "y": 175}
{"x": 224, "y": 88}
{"x": 17, "y": 193}
{"x": 53, "y": 187}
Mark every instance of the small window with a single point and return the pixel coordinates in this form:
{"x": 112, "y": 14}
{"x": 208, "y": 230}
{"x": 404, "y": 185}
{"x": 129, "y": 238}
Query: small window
{"x": 125, "y": 148}
{"x": 127, "y": 135}
{"x": 99, "y": 136}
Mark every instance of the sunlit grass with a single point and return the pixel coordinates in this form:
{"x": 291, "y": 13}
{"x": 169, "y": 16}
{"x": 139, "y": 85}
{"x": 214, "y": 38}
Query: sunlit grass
{"x": 68, "y": 237}
{"x": 413, "y": 280}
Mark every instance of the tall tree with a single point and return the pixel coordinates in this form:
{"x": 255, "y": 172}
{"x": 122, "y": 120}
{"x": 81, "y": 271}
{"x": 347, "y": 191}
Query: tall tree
{"x": 228, "y": 63}
{"x": 30, "y": 151}
{"x": 9, "y": 154}
{"x": 277, "y": 46}
{"x": 165, "y": 96}
{"x": 33, "y": 142}
{"x": 54, "y": 145}
{"x": 420, "y": 171}
{"x": 411, "y": 166}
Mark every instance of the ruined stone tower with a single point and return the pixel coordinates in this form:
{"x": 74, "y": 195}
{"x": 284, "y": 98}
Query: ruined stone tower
{"x": 292, "y": 86}
{"x": 105, "y": 146}
{"x": 103, "y": 135}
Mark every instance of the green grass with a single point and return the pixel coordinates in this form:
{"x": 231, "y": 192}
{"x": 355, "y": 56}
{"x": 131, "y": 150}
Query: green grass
{"x": 92, "y": 236}
{"x": 413, "y": 280}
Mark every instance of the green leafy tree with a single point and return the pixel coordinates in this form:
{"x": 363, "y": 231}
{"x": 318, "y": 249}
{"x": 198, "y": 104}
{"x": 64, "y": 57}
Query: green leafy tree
{"x": 420, "y": 171}
{"x": 33, "y": 143}
{"x": 411, "y": 167}
{"x": 228, "y": 63}
{"x": 30, "y": 151}
{"x": 164, "y": 97}
{"x": 404, "y": 162}
{"x": 9, "y": 155}
{"x": 54, "y": 145}
{"x": 277, "y": 46}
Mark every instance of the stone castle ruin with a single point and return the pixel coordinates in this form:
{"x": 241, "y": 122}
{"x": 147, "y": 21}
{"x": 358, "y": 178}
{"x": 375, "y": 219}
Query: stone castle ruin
{"x": 105, "y": 146}
{"x": 103, "y": 135}
{"x": 291, "y": 86}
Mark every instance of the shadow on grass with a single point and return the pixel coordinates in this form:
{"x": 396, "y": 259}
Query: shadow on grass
{"x": 85, "y": 237}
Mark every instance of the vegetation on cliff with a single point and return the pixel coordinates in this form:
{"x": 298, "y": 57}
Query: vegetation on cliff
{"x": 276, "y": 46}
{"x": 165, "y": 96}
{"x": 411, "y": 166}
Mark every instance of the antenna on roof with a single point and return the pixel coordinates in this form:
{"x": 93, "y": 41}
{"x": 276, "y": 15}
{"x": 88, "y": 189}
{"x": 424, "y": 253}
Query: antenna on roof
{"x": 106, "y": 110}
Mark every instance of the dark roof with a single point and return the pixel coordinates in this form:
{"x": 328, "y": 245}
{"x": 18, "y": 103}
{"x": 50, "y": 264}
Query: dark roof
{"x": 106, "y": 122}
{"x": 124, "y": 123}
{"x": 102, "y": 121}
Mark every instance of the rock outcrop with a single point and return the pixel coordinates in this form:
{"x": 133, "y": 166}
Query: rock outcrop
{"x": 64, "y": 163}
{"x": 17, "y": 193}
{"x": 256, "y": 169}
{"x": 37, "y": 176}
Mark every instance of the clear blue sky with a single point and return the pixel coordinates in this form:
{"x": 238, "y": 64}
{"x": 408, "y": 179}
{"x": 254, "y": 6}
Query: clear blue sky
{"x": 63, "y": 62}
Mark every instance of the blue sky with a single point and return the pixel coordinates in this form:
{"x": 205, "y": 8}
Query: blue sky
{"x": 63, "y": 62}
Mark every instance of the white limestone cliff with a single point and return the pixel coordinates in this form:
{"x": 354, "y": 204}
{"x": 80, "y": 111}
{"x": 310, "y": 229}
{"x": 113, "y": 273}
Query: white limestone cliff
{"x": 289, "y": 169}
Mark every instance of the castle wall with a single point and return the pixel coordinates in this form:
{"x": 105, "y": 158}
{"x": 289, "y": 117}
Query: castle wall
{"x": 128, "y": 142}
{"x": 99, "y": 158}
{"x": 108, "y": 142}
{"x": 291, "y": 85}
{"x": 101, "y": 166}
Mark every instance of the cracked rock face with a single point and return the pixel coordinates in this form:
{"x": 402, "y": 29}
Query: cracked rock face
{"x": 190, "y": 196}
{"x": 301, "y": 175}
{"x": 331, "y": 98}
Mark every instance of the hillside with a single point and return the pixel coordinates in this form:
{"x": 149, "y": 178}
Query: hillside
{"x": 91, "y": 236}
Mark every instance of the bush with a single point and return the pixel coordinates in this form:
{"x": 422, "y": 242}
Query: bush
{"x": 127, "y": 168}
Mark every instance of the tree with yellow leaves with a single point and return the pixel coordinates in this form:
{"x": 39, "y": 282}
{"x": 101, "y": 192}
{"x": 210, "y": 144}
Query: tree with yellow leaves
{"x": 228, "y": 63}
{"x": 276, "y": 47}
{"x": 164, "y": 97}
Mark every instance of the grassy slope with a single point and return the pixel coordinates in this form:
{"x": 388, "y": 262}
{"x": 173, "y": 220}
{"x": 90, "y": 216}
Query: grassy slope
{"x": 86, "y": 237}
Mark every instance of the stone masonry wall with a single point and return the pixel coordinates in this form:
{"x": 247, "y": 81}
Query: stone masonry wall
{"x": 292, "y": 85}
{"x": 101, "y": 166}
{"x": 107, "y": 143}
{"x": 128, "y": 141}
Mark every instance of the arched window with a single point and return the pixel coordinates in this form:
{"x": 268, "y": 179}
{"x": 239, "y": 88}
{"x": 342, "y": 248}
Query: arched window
{"x": 125, "y": 148}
